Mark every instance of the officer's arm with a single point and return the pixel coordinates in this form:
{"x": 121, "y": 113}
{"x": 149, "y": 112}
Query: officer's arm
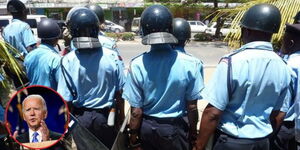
{"x": 276, "y": 119}
{"x": 193, "y": 119}
{"x": 209, "y": 122}
{"x": 120, "y": 107}
{"x": 135, "y": 124}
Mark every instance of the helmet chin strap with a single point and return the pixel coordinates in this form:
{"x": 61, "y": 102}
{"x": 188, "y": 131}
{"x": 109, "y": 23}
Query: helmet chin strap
{"x": 86, "y": 43}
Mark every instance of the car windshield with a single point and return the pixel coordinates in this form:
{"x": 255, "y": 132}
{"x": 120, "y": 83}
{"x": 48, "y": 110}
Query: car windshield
{"x": 193, "y": 23}
{"x": 32, "y": 23}
{"x": 3, "y": 23}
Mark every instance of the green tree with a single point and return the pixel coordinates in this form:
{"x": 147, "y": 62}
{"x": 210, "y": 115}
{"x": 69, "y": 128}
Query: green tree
{"x": 288, "y": 9}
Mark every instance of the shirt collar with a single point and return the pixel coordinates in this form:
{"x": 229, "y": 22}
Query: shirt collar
{"x": 39, "y": 137}
{"x": 47, "y": 46}
{"x": 15, "y": 20}
{"x": 161, "y": 47}
{"x": 180, "y": 48}
{"x": 295, "y": 54}
{"x": 260, "y": 45}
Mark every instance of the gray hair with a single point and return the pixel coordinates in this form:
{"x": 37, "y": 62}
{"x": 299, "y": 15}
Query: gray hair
{"x": 37, "y": 97}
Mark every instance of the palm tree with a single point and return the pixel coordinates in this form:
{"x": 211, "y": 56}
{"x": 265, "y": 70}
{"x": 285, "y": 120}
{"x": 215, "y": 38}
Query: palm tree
{"x": 288, "y": 9}
{"x": 9, "y": 65}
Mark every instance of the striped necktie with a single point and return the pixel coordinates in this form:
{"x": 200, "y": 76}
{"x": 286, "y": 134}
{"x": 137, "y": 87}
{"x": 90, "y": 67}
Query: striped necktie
{"x": 34, "y": 137}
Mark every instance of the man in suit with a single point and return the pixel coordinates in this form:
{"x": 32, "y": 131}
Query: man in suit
{"x": 34, "y": 113}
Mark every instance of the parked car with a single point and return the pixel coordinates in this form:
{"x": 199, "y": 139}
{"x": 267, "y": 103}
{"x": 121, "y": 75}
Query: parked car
{"x": 135, "y": 25}
{"x": 113, "y": 27}
{"x": 212, "y": 27}
{"x": 197, "y": 26}
{"x": 32, "y": 20}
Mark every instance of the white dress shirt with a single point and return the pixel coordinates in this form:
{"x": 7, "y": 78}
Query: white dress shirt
{"x": 39, "y": 137}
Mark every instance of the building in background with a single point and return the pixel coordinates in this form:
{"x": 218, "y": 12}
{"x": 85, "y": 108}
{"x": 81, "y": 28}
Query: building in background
{"x": 118, "y": 11}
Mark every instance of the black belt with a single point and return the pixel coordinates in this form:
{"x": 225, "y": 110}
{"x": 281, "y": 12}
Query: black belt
{"x": 170, "y": 120}
{"x": 80, "y": 110}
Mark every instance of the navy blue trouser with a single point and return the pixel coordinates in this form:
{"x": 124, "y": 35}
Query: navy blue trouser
{"x": 164, "y": 134}
{"x": 226, "y": 142}
{"x": 285, "y": 138}
{"x": 96, "y": 123}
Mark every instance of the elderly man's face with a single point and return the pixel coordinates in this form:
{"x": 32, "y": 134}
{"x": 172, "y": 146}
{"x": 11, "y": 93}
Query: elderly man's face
{"x": 34, "y": 113}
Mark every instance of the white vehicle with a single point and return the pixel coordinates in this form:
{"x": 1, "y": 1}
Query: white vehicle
{"x": 212, "y": 27}
{"x": 135, "y": 25}
{"x": 32, "y": 20}
{"x": 197, "y": 26}
{"x": 113, "y": 27}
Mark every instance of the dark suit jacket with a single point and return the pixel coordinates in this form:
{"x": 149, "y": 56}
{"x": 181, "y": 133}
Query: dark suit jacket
{"x": 24, "y": 138}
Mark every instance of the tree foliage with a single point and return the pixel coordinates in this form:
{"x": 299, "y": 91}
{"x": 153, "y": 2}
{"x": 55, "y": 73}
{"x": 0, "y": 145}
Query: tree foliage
{"x": 288, "y": 9}
{"x": 8, "y": 61}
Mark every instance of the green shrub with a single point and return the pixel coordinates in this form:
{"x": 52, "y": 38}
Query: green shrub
{"x": 126, "y": 36}
{"x": 115, "y": 36}
{"x": 203, "y": 37}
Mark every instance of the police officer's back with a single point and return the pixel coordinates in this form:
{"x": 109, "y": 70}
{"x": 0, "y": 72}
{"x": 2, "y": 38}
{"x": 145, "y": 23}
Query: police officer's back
{"x": 105, "y": 41}
{"x": 248, "y": 88}
{"x": 160, "y": 86}
{"x": 43, "y": 63}
{"x": 91, "y": 79}
{"x": 18, "y": 33}
{"x": 285, "y": 139}
{"x": 182, "y": 31}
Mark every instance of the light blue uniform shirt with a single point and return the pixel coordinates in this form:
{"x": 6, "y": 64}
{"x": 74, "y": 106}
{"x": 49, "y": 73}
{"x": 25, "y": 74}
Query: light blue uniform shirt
{"x": 1, "y": 77}
{"x": 19, "y": 35}
{"x": 182, "y": 50}
{"x": 94, "y": 74}
{"x": 109, "y": 44}
{"x": 2, "y": 113}
{"x": 162, "y": 80}
{"x": 293, "y": 61}
{"x": 260, "y": 83}
{"x": 1, "y": 108}
{"x": 42, "y": 66}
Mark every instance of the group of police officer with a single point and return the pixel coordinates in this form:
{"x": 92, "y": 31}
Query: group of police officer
{"x": 249, "y": 95}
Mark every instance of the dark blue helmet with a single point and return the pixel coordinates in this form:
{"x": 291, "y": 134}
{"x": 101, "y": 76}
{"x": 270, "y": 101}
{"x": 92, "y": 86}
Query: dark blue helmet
{"x": 297, "y": 18}
{"x": 156, "y": 25}
{"x": 16, "y": 7}
{"x": 83, "y": 23}
{"x": 48, "y": 29}
{"x": 181, "y": 29}
{"x": 98, "y": 11}
{"x": 262, "y": 17}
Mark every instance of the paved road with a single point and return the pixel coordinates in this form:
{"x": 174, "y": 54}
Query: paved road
{"x": 208, "y": 52}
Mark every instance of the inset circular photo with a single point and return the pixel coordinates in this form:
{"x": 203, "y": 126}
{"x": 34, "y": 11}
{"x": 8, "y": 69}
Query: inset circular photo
{"x": 37, "y": 118}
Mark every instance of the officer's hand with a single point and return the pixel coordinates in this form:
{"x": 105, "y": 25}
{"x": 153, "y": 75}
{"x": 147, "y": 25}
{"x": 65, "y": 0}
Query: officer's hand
{"x": 67, "y": 37}
{"x": 193, "y": 138}
{"x": 45, "y": 131}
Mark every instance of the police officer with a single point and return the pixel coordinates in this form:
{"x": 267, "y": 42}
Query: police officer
{"x": 18, "y": 33}
{"x": 91, "y": 79}
{"x": 248, "y": 89}
{"x": 182, "y": 31}
{"x": 162, "y": 87}
{"x": 285, "y": 138}
{"x": 105, "y": 41}
{"x": 43, "y": 63}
